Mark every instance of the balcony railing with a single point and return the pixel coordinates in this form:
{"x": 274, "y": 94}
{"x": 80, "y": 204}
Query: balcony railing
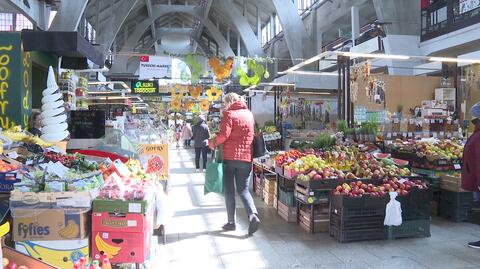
{"x": 445, "y": 16}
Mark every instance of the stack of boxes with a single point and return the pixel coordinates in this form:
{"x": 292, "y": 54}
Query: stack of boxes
{"x": 122, "y": 230}
{"x": 270, "y": 190}
{"x": 52, "y": 227}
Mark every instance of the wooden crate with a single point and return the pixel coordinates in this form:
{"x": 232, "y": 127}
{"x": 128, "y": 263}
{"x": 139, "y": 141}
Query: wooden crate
{"x": 451, "y": 183}
{"x": 270, "y": 186}
{"x": 268, "y": 198}
{"x": 275, "y": 202}
{"x": 289, "y": 214}
{"x": 321, "y": 219}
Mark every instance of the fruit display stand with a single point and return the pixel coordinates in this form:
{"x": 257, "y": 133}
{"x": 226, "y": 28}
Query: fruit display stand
{"x": 270, "y": 189}
{"x": 314, "y": 219}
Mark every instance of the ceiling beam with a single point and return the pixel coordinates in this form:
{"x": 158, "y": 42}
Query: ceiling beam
{"x": 148, "y": 3}
{"x": 68, "y": 15}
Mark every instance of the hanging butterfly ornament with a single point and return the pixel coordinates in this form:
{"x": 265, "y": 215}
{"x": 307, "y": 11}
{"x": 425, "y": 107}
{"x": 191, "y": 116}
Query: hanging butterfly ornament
{"x": 220, "y": 70}
{"x": 195, "y": 91}
{"x": 177, "y": 91}
{"x": 204, "y": 105}
{"x": 252, "y": 67}
{"x": 214, "y": 94}
{"x": 188, "y": 105}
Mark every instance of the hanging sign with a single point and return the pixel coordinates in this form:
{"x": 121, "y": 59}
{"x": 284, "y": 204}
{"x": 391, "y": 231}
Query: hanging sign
{"x": 15, "y": 81}
{"x": 155, "y": 67}
{"x": 154, "y": 158}
{"x": 468, "y": 5}
{"x": 145, "y": 87}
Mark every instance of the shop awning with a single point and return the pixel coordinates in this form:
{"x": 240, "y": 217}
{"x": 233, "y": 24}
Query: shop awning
{"x": 74, "y": 49}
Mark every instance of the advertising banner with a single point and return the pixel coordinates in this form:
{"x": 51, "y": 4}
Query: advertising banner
{"x": 15, "y": 81}
{"x": 145, "y": 87}
{"x": 154, "y": 158}
{"x": 468, "y": 5}
{"x": 155, "y": 67}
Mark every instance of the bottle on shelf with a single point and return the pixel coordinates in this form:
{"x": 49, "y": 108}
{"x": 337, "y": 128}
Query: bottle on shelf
{"x": 106, "y": 264}
{"x": 96, "y": 265}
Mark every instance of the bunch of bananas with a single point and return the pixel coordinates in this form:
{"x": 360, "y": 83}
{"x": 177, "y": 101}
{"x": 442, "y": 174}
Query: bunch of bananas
{"x": 108, "y": 249}
{"x": 37, "y": 140}
{"x": 270, "y": 129}
{"x": 70, "y": 231}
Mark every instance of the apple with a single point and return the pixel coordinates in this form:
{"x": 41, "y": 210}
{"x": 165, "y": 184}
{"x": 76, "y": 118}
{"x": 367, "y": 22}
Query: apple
{"x": 339, "y": 188}
{"x": 359, "y": 183}
{"x": 5, "y": 262}
{"x": 317, "y": 177}
{"x": 11, "y": 265}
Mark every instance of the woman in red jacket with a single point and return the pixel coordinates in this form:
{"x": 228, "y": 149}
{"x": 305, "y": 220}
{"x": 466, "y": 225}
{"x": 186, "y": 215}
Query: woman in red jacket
{"x": 236, "y": 136}
{"x": 470, "y": 166}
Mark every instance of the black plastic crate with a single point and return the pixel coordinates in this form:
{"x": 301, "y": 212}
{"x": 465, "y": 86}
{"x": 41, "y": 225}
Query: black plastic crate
{"x": 357, "y": 223}
{"x": 287, "y": 198}
{"x": 366, "y": 201}
{"x": 423, "y": 211}
{"x": 285, "y": 183}
{"x": 459, "y": 199}
{"x": 346, "y": 212}
{"x": 344, "y": 236}
{"x": 409, "y": 228}
{"x": 453, "y": 213}
{"x": 474, "y": 216}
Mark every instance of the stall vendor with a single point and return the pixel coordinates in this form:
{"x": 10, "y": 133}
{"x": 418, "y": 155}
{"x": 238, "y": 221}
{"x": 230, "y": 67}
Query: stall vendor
{"x": 471, "y": 158}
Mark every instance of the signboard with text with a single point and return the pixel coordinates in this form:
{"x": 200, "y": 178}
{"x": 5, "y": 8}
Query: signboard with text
{"x": 15, "y": 81}
{"x": 145, "y": 87}
{"x": 155, "y": 67}
{"x": 468, "y": 5}
{"x": 154, "y": 158}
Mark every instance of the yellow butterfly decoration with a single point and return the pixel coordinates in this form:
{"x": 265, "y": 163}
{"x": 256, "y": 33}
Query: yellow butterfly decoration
{"x": 195, "y": 91}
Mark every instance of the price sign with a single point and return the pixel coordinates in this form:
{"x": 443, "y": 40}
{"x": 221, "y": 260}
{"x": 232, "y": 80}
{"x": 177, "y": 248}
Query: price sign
{"x": 442, "y": 133}
{"x": 394, "y": 134}
{"x": 457, "y": 166}
{"x": 432, "y": 121}
{"x": 389, "y": 135}
{"x": 404, "y": 134}
{"x": 435, "y": 134}
{"x": 410, "y": 134}
{"x": 412, "y": 121}
{"x": 145, "y": 87}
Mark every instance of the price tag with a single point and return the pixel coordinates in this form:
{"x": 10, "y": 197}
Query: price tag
{"x": 395, "y": 120}
{"x": 449, "y": 122}
{"x": 432, "y": 121}
{"x": 435, "y": 134}
{"x": 441, "y": 121}
{"x": 449, "y": 135}
{"x": 404, "y": 134}
{"x": 442, "y": 133}
{"x": 412, "y": 121}
{"x": 389, "y": 135}
{"x": 457, "y": 166}
{"x": 410, "y": 134}
{"x": 395, "y": 134}
{"x": 402, "y": 180}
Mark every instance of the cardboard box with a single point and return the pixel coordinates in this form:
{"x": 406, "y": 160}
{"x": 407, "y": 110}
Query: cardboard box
{"x": 128, "y": 223}
{"x": 23, "y": 259}
{"x": 61, "y": 254}
{"x": 120, "y": 207}
{"x": 68, "y": 199}
{"x": 49, "y": 224}
{"x": 122, "y": 247}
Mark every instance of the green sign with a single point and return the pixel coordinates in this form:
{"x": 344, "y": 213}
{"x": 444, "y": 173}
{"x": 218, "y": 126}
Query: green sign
{"x": 145, "y": 87}
{"x": 15, "y": 82}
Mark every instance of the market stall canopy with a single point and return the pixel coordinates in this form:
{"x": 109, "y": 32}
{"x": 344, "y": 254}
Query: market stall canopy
{"x": 315, "y": 80}
{"x": 74, "y": 49}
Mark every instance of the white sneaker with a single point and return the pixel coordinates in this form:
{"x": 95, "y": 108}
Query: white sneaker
{"x": 197, "y": 170}
{"x": 203, "y": 170}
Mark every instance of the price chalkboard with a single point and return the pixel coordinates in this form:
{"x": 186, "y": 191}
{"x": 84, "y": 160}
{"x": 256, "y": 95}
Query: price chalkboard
{"x": 87, "y": 124}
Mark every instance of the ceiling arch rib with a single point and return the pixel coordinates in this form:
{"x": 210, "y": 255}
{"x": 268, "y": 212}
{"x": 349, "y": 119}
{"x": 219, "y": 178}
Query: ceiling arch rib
{"x": 158, "y": 11}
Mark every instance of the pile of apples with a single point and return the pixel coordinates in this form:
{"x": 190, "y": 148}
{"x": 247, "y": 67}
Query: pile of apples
{"x": 358, "y": 188}
{"x": 444, "y": 149}
{"x": 372, "y": 168}
{"x": 287, "y": 157}
{"x": 307, "y": 163}
{"x": 7, "y": 264}
{"x": 327, "y": 172}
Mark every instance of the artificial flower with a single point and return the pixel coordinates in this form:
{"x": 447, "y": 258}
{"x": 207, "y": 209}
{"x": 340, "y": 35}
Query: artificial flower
{"x": 214, "y": 94}
{"x": 177, "y": 91}
{"x": 176, "y": 104}
{"x": 204, "y": 105}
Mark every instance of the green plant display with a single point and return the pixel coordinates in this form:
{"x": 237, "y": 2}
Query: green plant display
{"x": 195, "y": 69}
{"x": 323, "y": 141}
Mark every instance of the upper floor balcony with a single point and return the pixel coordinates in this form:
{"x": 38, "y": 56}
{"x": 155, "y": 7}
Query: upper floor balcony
{"x": 441, "y": 17}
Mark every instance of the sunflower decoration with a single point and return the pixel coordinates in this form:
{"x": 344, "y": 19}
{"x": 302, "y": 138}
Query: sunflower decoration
{"x": 204, "y": 105}
{"x": 177, "y": 91}
{"x": 220, "y": 70}
{"x": 214, "y": 94}
{"x": 176, "y": 104}
{"x": 188, "y": 105}
{"x": 195, "y": 91}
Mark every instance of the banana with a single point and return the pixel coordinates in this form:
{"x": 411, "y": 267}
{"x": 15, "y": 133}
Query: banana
{"x": 70, "y": 231}
{"x": 108, "y": 249}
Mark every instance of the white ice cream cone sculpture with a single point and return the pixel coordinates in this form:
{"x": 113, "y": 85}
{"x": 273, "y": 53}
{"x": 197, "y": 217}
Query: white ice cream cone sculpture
{"x": 54, "y": 118}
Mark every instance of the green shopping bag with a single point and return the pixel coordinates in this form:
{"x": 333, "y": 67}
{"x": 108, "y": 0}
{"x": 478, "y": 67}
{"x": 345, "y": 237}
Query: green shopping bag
{"x": 214, "y": 174}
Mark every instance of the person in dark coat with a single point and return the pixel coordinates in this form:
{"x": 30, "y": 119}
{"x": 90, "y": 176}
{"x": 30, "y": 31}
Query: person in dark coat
{"x": 470, "y": 162}
{"x": 201, "y": 134}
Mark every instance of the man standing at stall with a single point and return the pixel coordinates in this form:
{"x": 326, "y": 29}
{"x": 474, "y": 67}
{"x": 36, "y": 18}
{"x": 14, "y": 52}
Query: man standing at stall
{"x": 471, "y": 162}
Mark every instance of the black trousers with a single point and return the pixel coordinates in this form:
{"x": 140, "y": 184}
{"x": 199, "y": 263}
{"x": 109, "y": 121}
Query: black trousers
{"x": 204, "y": 152}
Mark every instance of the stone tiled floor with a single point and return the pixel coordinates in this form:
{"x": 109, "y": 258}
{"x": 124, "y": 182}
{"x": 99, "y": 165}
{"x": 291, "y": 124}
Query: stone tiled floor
{"x": 194, "y": 239}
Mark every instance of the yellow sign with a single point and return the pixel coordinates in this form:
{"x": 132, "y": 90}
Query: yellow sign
{"x": 154, "y": 158}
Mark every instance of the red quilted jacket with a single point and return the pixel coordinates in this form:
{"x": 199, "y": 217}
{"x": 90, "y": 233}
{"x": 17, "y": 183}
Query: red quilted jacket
{"x": 236, "y": 133}
{"x": 470, "y": 165}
